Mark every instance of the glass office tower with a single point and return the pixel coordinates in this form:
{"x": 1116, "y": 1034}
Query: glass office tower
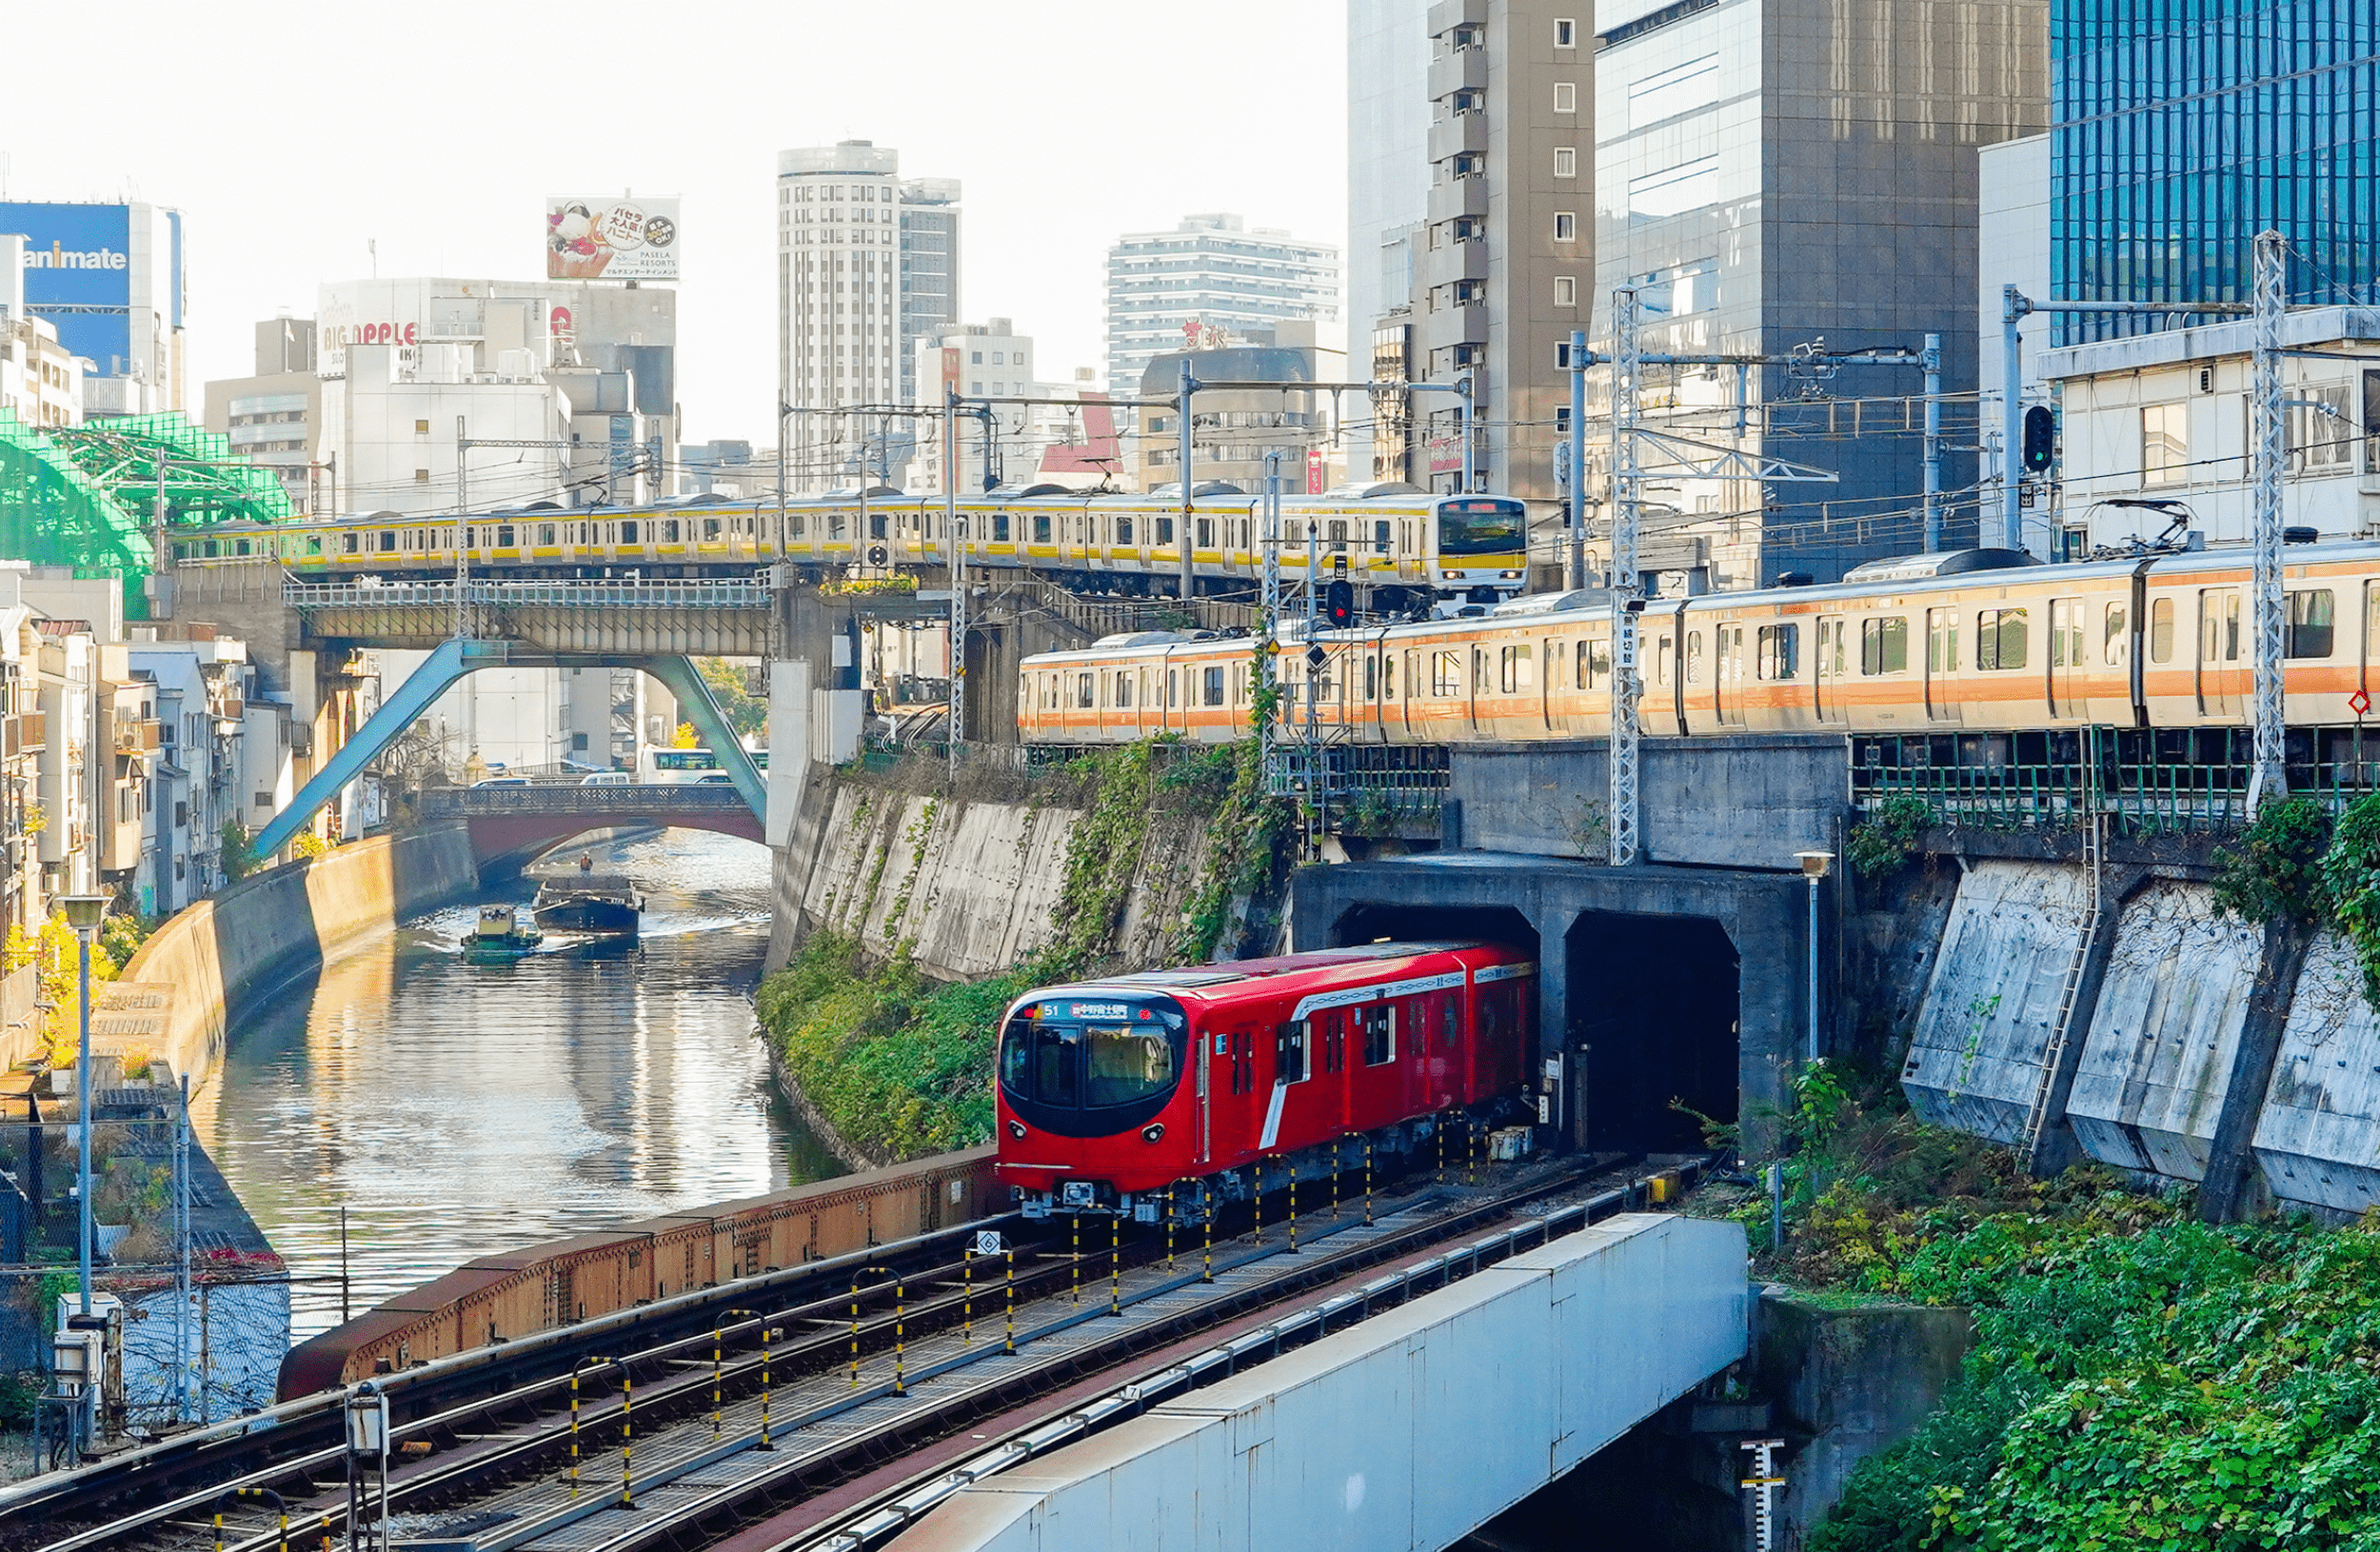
{"x": 2183, "y": 127}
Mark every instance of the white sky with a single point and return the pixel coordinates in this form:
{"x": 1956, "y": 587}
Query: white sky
{"x": 291, "y": 134}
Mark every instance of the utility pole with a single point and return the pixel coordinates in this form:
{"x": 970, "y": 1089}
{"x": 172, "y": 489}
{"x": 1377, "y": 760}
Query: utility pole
{"x": 2269, "y": 781}
{"x": 462, "y": 522}
{"x": 1931, "y": 359}
{"x": 1627, "y": 498}
{"x": 957, "y": 715}
{"x": 1189, "y": 385}
{"x": 1268, "y": 626}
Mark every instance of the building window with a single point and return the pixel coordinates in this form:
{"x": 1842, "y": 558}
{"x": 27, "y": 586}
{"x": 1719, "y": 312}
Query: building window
{"x": 421, "y": 476}
{"x": 1565, "y": 161}
{"x": 1565, "y": 32}
{"x": 1565, "y": 97}
{"x": 1565, "y": 290}
{"x": 2165, "y": 444}
{"x": 1565, "y": 227}
{"x": 421, "y": 427}
{"x": 2321, "y": 434}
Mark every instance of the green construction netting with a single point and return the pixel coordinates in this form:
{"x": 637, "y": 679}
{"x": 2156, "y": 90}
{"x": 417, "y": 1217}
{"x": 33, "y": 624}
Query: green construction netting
{"x": 84, "y": 496}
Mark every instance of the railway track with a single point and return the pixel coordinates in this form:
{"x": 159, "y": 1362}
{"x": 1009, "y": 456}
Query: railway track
{"x": 789, "y": 1387}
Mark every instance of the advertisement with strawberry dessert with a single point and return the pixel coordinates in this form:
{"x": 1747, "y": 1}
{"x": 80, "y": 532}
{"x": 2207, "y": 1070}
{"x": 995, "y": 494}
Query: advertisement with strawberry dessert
{"x": 595, "y": 237}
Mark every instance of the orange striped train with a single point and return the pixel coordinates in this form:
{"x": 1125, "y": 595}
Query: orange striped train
{"x": 1978, "y": 639}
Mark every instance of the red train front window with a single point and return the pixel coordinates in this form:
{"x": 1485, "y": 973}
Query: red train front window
{"x": 1126, "y": 1062}
{"x": 1084, "y": 1066}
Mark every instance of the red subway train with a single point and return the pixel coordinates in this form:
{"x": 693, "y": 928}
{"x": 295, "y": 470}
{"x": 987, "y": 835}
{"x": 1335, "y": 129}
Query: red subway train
{"x": 1128, "y": 1094}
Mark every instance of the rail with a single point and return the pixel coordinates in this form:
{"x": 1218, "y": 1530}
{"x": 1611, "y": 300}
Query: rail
{"x": 763, "y": 1393}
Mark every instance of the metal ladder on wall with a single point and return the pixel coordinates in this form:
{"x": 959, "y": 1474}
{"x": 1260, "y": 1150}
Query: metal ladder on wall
{"x": 2061, "y": 1025}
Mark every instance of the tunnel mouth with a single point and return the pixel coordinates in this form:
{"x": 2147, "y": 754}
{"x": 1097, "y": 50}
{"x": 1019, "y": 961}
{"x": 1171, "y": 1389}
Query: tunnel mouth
{"x": 1436, "y": 924}
{"x": 1656, "y": 1021}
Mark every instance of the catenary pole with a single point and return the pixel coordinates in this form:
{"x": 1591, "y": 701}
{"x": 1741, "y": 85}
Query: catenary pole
{"x": 1189, "y": 387}
{"x": 1577, "y": 558}
{"x": 2269, "y": 779}
{"x": 1627, "y": 495}
{"x": 1932, "y": 361}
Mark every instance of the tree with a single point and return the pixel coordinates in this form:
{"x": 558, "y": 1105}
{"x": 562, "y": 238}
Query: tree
{"x": 745, "y": 712}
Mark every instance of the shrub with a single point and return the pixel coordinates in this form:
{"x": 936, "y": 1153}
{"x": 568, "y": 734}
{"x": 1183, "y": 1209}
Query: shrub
{"x": 1882, "y": 842}
{"x": 2275, "y": 871}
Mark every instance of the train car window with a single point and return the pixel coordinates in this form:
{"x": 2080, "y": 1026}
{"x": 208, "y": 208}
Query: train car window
{"x": 1380, "y": 537}
{"x": 1445, "y": 674}
{"x": 2161, "y": 630}
{"x": 1126, "y": 1062}
{"x": 2066, "y": 633}
{"x": 1479, "y": 672}
{"x": 1884, "y": 644}
{"x": 1123, "y": 528}
{"x": 836, "y": 525}
{"x": 1449, "y": 1021}
{"x": 1204, "y": 533}
{"x": 1378, "y": 1023}
{"x": 1595, "y": 662}
{"x": 875, "y": 526}
{"x": 1779, "y": 652}
{"x": 1164, "y": 531}
{"x": 1040, "y": 529}
{"x": 2000, "y": 639}
{"x": 503, "y": 536}
{"x": 1388, "y": 676}
{"x": 1833, "y": 637}
{"x": 1517, "y": 670}
{"x": 1123, "y": 690}
{"x": 1371, "y": 678}
{"x": 1693, "y": 657}
{"x": 1293, "y": 1063}
{"x": 2115, "y": 643}
{"x": 313, "y": 543}
{"x": 2312, "y": 628}
{"x": 710, "y": 528}
{"x": 1038, "y": 1062}
{"x": 346, "y": 543}
{"x": 669, "y": 530}
{"x": 627, "y": 530}
{"x": 1214, "y": 687}
{"x": 1082, "y": 690}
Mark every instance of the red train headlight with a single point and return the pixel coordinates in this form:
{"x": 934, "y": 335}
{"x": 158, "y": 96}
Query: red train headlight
{"x": 1151, "y": 1132}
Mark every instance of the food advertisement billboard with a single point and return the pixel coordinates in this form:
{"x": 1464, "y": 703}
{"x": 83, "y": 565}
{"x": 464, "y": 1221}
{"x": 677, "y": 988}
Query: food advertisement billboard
{"x": 596, "y": 237}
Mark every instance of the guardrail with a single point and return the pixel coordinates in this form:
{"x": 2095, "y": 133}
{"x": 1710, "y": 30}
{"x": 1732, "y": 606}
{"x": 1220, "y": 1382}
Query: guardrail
{"x": 636, "y": 798}
{"x": 731, "y": 593}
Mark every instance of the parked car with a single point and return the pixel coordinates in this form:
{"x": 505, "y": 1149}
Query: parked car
{"x": 503, "y": 781}
{"x": 605, "y": 778}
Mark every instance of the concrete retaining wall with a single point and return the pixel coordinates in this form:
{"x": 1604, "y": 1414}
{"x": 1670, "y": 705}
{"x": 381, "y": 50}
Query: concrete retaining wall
{"x": 970, "y": 883}
{"x": 177, "y": 995}
{"x": 2318, "y": 1136}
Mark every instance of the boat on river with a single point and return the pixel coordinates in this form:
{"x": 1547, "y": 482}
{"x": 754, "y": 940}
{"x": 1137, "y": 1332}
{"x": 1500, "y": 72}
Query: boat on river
{"x": 500, "y": 934}
{"x": 594, "y": 904}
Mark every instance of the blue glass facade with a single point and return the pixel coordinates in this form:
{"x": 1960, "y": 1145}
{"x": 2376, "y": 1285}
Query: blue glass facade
{"x": 2183, "y": 127}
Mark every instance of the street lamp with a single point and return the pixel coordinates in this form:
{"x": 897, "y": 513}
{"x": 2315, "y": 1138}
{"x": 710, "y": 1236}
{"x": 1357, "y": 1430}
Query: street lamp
{"x": 1813, "y": 866}
{"x": 84, "y": 914}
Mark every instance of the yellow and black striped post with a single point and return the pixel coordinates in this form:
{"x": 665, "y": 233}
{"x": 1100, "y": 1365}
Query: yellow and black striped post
{"x": 1206, "y": 1223}
{"x": 967, "y": 1324}
{"x": 1334, "y": 1180}
{"x": 1257, "y": 1199}
{"x": 719, "y": 1363}
{"x": 855, "y": 1330}
{"x": 280, "y": 1509}
{"x": 627, "y": 1438}
{"x": 901, "y": 1336}
{"x": 1169, "y": 1227}
{"x": 1116, "y": 1266}
{"x": 1367, "y": 1180}
{"x": 755, "y": 1314}
{"x": 1074, "y": 1224}
{"x": 1471, "y": 1129}
{"x": 1010, "y": 1257}
{"x": 1438, "y": 1128}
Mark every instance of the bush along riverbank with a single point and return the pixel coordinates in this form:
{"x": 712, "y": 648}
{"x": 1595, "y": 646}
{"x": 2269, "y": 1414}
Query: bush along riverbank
{"x": 896, "y": 1064}
{"x": 2140, "y": 1381}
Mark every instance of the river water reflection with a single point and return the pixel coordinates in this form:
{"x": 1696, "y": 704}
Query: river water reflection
{"x": 456, "y": 1110}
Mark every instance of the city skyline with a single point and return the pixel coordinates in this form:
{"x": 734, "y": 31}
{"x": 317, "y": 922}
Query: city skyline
{"x": 268, "y": 226}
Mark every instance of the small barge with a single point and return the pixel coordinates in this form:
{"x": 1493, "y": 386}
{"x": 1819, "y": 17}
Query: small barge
{"x": 500, "y": 934}
{"x": 593, "y": 904}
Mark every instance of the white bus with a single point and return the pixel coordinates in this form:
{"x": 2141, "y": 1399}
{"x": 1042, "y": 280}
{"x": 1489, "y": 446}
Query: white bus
{"x": 681, "y": 767}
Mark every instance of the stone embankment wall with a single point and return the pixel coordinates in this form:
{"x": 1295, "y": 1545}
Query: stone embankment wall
{"x": 176, "y": 998}
{"x": 2152, "y": 1034}
{"x": 969, "y": 883}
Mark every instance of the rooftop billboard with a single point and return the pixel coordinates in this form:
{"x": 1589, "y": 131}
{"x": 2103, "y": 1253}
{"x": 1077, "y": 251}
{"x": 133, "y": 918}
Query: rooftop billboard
{"x": 592, "y": 237}
{"x": 78, "y": 275}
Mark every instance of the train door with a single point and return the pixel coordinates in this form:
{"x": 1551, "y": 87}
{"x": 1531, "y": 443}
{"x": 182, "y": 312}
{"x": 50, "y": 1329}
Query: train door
{"x": 1476, "y": 682}
{"x": 1411, "y": 676}
{"x": 2219, "y": 672}
{"x": 1729, "y": 674}
{"x": 1942, "y": 664}
{"x": 1239, "y": 1106}
{"x": 1831, "y": 657}
{"x": 2065, "y": 657}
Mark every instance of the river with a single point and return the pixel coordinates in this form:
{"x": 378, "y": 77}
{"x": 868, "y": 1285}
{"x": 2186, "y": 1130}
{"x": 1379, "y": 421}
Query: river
{"x": 455, "y": 1110}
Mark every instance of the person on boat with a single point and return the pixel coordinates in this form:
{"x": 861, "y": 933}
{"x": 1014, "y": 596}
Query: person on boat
{"x": 586, "y": 861}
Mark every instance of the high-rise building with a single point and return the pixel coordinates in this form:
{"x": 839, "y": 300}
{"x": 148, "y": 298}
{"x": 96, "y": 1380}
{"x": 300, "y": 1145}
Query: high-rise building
{"x": 1388, "y": 189}
{"x": 1508, "y": 242}
{"x": 273, "y": 417}
{"x": 866, "y": 267}
{"x": 2157, "y": 190}
{"x": 108, "y": 277}
{"x": 1211, "y": 272}
{"x": 1772, "y": 174}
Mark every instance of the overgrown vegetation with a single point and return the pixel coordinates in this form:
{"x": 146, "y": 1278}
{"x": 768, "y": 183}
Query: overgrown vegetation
{"x": 2274, "y": 871}
{"x": 1243, "y": 853}
{"x": 745, "y": 712}
{"x": 239, "y": 852}
{"x": 54, "y": 947}
{"x": 2139, "y": 1380}
{"x": 1101, "y": 854}
{"x": 1882, "y": 844}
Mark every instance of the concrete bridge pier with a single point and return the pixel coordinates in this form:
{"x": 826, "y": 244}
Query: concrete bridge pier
{"x": 814, "y": 711}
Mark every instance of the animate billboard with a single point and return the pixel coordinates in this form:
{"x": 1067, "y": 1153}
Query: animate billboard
{"x": 78, "y": 276}
{"x": 591, "y": 237}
